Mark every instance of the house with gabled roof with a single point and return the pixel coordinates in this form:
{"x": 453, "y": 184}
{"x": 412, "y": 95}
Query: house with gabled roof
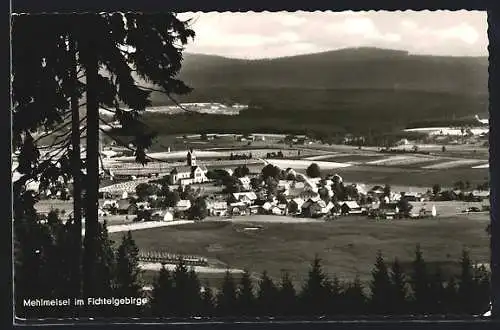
{"x": 316, "y": 207}
{"x": 350, "y": 208}
{"x": 246, "y": 197}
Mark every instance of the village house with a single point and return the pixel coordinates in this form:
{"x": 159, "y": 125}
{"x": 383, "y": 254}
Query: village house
{"x": 254, "y": 209}
{"x": 279, "y": 209}
{"x": 480, "y": 195}
{"x": 192, "y": 173}
{"x": 316, "y": 207}
{"x": 422, "y": 210}
{"x": 248, "y": 198}
{"x": 350, "y": 208}
{"x": 295, "y": 205}
{"x": 266, "y": 207}
{"x": 412, "y": 196}
{"x": 217, "y": 208}
{"x": 162, "y": 215}
{"x": 238, "y": 208}
{"x": 126, "y": 207}
{"x": 386, "y": 211}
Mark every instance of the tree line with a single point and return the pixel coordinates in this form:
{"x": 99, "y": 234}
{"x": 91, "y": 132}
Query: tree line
{"x": 390, "y": 291}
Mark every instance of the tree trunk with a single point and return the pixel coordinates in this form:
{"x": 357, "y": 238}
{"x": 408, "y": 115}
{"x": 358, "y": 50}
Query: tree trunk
{"x": 92, "y": 166}
{"x": 76, "y": 168}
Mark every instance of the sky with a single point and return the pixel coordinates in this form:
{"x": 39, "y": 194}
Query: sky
{"x": 253, "y": 35}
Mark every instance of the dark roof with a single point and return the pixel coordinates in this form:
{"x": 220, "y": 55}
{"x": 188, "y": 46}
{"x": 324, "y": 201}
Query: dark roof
{"x": 181, "y": 169}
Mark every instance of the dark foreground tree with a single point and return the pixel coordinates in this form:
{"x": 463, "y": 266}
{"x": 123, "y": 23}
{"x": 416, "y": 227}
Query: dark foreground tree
{"x": 353, "y": 298}
{"x": 466, "y": 285}
{"x": 245, "y": 296}
{"x": 287, "y": 297}
{"x": 380, "y": 287}
{"x": 398, "y": 296}
{"x": 128, "y": 273}
{"x": 315, "y": 295}
{"x": 419, "y": 283}
{"x": 162, "y": 295}
{"x": 110, "y": 51}
{"x": 267, "y": 296}
{"x": 437, "y": 291}
{"x": 186, "y": 291}
{"x": 226, "y": 298}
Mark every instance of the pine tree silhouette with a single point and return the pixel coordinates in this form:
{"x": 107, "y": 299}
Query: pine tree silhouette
{"x": 267, "y": 296}
{"x": 398, "y": 295}
{"x": 353, "y": 298}
{"x": 128, "y": 273}
{"x": 162, "y": 294}
{"x": 128, "y": 281}
{"x": 466, "y": 285}
{"x": 315, "y": 293}
{"x": 194, "y": 293}
{"x": 334, "y": 292}
{"x": 287, "y": 297}
{"x": 245, "y": 296}
{"x": 437, "y": 292}
{"x": 419, "y": 282}
{"x": 186, "y": 291}
{"x": 380, "y": 287}
{"x": 226, "y": 298}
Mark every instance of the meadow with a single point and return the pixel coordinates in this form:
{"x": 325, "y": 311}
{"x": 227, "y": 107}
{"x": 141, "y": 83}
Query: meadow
{"x": 347, "y": 246}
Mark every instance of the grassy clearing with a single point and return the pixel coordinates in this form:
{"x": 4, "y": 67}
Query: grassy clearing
{"x": 355, "y": 158}
{"x": 413, "y": 177}
{"x": 347, "y": 246}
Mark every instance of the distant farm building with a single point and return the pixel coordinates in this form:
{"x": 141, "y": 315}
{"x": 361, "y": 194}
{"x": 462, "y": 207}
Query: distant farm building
{"x": 350, "y": 208}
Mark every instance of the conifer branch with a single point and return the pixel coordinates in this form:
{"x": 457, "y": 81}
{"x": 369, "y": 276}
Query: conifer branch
{"x": 125, "y": 145}
{"x": 168, "y": 95}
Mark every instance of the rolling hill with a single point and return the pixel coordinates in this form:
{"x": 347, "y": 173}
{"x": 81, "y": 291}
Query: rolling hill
{"x": 347, "y": 89}
{"x": 361, "y": 68}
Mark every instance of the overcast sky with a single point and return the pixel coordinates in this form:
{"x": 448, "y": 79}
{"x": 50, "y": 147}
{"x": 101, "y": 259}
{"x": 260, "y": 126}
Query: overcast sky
{"x": 268, "y": 35}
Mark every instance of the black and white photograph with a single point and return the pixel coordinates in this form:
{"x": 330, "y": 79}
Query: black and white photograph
{"x": 200, "y": 165}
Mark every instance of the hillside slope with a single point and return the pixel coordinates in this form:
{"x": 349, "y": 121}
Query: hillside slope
{"x": 345, "y": 89}
{"x": 363, "y": 68}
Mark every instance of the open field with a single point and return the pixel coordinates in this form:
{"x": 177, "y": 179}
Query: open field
{"x": 413, "y": 177}
{"x": 408, "y": 176}
{"x": 303, "y": 164}
{"x": 355, "y": 158}
{"x": 454, "y": 163}
{"x": 226, "y": 153}
{"x": 347, "y": 246}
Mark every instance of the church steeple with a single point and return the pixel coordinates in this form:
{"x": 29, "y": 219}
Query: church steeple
{"x": 191, "y": 158}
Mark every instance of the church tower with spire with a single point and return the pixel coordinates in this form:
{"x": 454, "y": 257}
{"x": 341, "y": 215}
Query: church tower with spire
{"x": 191, "y": 158}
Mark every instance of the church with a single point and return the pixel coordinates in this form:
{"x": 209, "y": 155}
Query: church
{"x": 189, "y": 174}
